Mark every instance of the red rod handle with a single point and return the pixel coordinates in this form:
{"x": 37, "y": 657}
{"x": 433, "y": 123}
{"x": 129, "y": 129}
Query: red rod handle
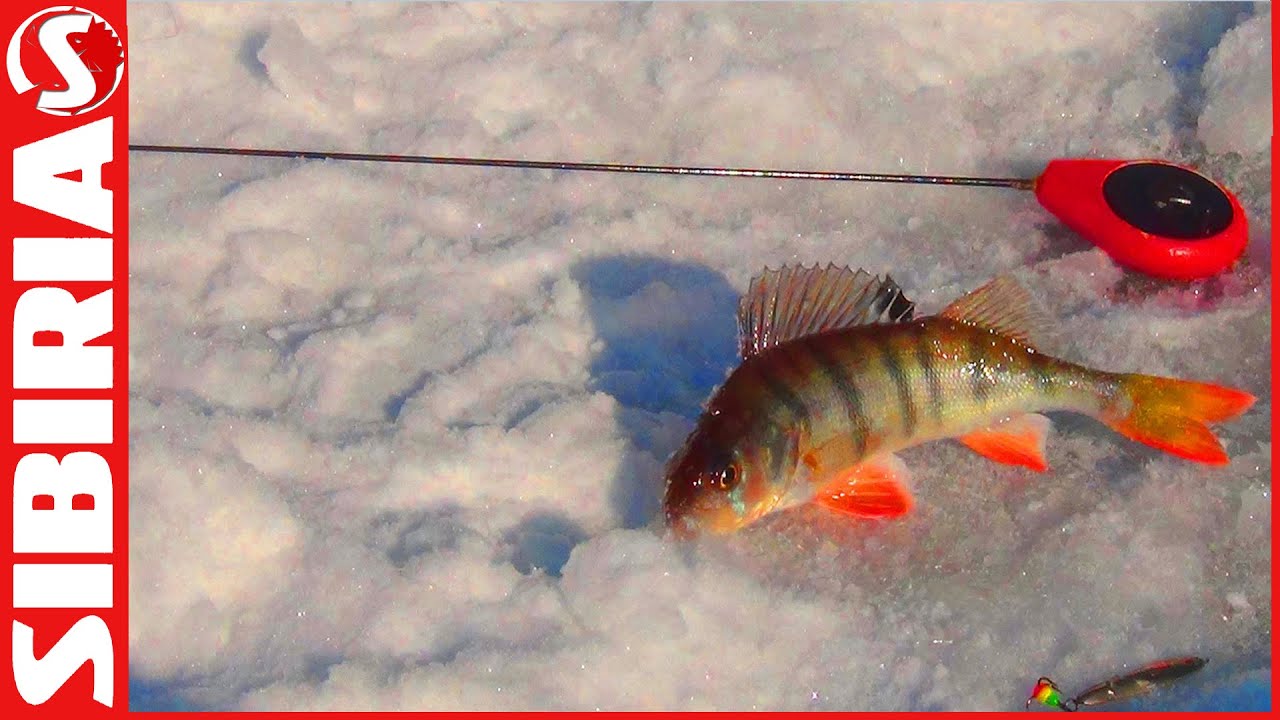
{"x": 1152, "y": 216}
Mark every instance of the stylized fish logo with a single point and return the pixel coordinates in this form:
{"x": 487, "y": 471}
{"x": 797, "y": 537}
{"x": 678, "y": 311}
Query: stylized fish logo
{"x": 99, "y": 49}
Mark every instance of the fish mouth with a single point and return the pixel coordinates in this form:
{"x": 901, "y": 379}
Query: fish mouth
{"x": 688, "y": 519}
{"x": 680, "y": 511}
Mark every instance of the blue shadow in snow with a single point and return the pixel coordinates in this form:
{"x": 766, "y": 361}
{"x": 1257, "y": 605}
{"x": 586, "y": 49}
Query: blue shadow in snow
{"x": 147, "y": 696}
{"x": 1235, "y": 685}
{"x": 670, "y": 335}
{"x": 542, "y": 542}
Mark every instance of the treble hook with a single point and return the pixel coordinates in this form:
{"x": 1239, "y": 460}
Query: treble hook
{"x": 1046, "y": 692}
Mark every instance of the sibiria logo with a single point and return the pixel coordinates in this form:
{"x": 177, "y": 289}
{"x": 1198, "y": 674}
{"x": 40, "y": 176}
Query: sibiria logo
{"x": 63, "y": 409}
{"x": 71, "y": 56}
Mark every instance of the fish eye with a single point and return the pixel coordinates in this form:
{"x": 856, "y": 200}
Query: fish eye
{"x": 728, "y": 477}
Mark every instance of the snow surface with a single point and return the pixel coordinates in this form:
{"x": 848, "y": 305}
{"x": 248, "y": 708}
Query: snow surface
{"x": 398, "y": 431}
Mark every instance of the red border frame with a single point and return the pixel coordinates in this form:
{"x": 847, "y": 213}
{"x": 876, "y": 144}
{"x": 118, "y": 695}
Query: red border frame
{"x": 1275, "y": 267}
{"x": 23, "y": 124}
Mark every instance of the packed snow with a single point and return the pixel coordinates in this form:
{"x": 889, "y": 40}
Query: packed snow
{"x": 397, "y": 432}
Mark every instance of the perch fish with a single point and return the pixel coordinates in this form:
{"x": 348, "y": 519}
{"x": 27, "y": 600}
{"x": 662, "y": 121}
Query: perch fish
{"x": 837, "y": 375}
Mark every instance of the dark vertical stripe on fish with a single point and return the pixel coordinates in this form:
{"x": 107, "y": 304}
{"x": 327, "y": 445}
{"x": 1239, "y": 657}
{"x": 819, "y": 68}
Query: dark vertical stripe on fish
{"x": 1044, "y": 378}
{"x": 978, "y": 383}
{"x": 925, "y": 356}
{"x": 777, "y": 387}
{"x": 836, "y": 372}
{"x": 776, "y": 441}
{"x": 899, "y": 376}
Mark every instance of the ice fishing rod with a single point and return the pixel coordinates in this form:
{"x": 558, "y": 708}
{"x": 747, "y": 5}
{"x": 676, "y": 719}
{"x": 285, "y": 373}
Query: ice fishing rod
{"x": 1158, "y": 218}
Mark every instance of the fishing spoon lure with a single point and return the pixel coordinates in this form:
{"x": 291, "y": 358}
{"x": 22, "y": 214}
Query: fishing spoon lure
{"x": 1155, "y": 217}
{"x": 1130, "y": 685}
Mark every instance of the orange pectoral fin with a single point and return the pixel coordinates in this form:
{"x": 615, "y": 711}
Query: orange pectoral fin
{"x": 1016, "y": 441}
{"x": 872, "y": 489}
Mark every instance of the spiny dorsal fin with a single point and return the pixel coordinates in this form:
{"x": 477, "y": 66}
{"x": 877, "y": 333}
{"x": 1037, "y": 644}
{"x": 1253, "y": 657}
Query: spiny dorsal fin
{"x": 794, "y": 302}
{"x": 1002, "y": 306}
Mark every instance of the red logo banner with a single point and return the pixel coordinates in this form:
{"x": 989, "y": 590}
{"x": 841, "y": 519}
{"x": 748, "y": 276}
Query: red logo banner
{"x": 64, "y": 426}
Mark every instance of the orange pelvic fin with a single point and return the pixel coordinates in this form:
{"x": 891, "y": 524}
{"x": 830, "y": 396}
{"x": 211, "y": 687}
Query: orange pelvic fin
{"x": 1170, "y": 415}
{"x": 1017, "y": 441}
{"x": 874, "y": 488}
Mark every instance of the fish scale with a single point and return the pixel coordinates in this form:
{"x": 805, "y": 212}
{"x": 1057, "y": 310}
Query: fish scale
{"x": 876, "y": 377}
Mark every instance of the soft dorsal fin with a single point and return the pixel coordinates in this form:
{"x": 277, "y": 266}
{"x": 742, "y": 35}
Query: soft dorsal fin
{"x": 795, "y": 302}
{"x": 1002, "y": 306}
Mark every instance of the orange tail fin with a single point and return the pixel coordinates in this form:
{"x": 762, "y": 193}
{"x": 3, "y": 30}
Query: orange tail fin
{"x": 1170, "y": 415}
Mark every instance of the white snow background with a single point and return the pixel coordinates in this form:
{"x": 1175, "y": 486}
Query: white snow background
{"x": 397, "y": 431}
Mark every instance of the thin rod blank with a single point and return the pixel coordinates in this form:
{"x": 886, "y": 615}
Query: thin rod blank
{"x": 1016, "y": 183}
